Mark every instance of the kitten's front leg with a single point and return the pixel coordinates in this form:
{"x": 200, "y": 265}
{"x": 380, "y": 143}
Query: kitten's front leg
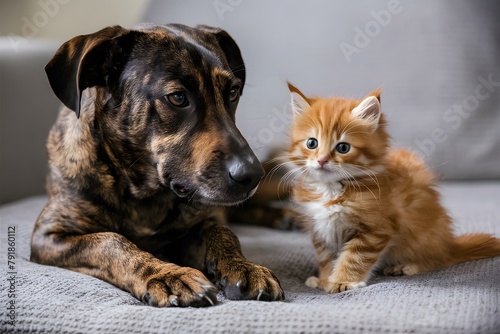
{"x": 355, "y": 263}
{"x": 326, "y": 258}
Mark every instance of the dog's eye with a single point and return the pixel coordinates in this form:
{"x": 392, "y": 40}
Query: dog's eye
{"x": 178, "y": 99}
{"x": 234, "y": 93}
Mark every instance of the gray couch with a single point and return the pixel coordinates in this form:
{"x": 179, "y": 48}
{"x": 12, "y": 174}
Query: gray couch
{"x": 438, "y": 64}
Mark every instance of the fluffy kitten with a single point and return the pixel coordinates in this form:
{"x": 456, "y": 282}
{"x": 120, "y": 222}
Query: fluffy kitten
{"x": 367, "y": 206}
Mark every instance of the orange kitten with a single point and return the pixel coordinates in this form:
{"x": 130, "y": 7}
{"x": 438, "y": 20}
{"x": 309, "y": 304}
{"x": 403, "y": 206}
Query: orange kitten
{"x": 367, "y": 206}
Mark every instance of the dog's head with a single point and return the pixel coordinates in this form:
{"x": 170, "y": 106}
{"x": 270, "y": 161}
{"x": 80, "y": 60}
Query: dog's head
{"x": 164, "y": 108}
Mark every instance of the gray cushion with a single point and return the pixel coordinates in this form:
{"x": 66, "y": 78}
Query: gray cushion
{"x": 461, "y": 299}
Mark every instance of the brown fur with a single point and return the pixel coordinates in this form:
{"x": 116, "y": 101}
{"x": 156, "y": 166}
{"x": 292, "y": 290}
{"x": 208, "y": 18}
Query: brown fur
{"x": 136, "y": 183}
{"x": 368, "y": 207}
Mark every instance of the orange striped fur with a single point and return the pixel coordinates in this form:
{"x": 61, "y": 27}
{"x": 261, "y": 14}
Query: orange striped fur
{"x": 366, "y": 206}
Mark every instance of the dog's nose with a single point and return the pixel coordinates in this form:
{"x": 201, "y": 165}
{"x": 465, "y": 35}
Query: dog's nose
{"x": 245, "y": 170}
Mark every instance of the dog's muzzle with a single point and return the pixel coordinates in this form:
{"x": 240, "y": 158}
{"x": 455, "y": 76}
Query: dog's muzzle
{"x": 232, "y": 181}
{"x": 243, "y": 174}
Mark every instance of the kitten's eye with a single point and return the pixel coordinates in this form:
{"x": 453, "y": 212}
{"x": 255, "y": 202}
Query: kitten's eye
{"x": 178, "y": 99}
{"x": 312, "y": 143}
{"x": 343, "y": 148}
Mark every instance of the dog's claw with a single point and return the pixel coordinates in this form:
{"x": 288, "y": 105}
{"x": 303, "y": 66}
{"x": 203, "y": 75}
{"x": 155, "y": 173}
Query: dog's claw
{"x": 146, "y": 298}
{"x": 209, "y": 300}
{"x": 246, "y": 280}
{"x": 181, "y": 287}
{"x": 260, "y": 294}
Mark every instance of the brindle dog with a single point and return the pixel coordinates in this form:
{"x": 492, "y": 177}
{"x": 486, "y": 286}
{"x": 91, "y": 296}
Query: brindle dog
{"x": 142, "y": 157}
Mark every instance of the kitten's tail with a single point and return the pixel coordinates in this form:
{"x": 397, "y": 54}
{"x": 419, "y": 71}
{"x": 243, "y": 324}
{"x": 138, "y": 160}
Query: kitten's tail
{"x": 471, "y": 247}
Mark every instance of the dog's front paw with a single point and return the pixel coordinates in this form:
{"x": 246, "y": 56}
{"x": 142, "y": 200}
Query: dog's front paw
{"x": 242, "y": 279}
{"x": 181, "y": 286}
{"x": 336, "y": 287}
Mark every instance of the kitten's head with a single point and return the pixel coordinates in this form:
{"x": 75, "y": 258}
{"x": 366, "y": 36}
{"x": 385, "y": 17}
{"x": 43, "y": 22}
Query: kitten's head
{"x": 337, "y": 138}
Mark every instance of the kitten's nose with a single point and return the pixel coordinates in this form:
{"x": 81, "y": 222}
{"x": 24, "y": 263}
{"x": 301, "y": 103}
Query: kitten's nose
{"x": 322, "y": 162}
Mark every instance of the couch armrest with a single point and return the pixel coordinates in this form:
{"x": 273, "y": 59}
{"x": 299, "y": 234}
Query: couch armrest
{"x": 28, "y": 108}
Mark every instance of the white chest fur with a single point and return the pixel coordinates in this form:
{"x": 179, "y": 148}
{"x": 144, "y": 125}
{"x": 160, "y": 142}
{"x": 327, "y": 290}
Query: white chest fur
{"x": 329, "y": 221}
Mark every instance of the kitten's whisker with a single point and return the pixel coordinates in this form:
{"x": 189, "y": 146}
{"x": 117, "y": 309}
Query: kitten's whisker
{"x": 348, "y": 130}
{"x": 275, "y": 170}
{"x": 285, "y": 177}
{"x": 373, "y": 178}
{"x": 372, "y": 175}
{"x": 284, "y": 158}
{"x": 350, "y": 178}
{"x": 356, "y": 132}
{"x": 281, "y": 165}
{"x": 284, "y": 162}
{"x": 344, "y": 129}
{"x": 291, "y": 176}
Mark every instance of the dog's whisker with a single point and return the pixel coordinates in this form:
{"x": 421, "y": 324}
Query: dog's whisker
{"x": 133, "y": 163}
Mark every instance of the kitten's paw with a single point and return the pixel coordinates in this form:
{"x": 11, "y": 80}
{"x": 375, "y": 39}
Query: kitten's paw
{"x": 401, "y": 269}
{"x": 312, "y": 282}
{"x": 336, "y": 287}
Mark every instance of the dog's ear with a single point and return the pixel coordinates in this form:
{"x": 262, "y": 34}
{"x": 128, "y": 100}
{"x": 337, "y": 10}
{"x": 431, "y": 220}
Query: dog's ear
{"x": 86, "y": 61}
{"x": 231, "y": 51}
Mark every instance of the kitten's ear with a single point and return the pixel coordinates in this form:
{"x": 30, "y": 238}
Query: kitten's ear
{"x": 369, "y": 110}
{"x": 377, "y": 94}
{"x": 300, "y": 102}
